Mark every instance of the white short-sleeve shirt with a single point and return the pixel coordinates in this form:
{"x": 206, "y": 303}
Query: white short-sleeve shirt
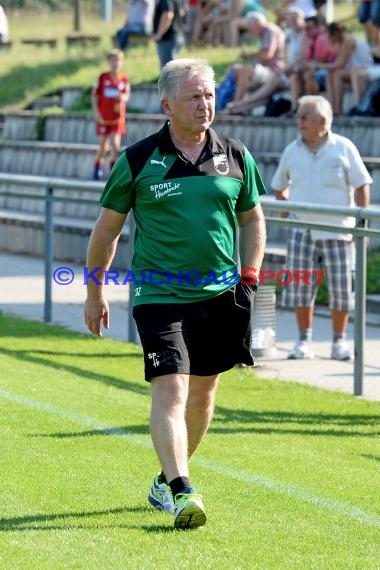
{"x": 328, "y": 176}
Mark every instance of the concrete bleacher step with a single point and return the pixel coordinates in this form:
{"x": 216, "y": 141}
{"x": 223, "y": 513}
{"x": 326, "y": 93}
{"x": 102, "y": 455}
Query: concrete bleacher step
{"x": 264, "y": 137}
{"x": 46, "y": 102}
{"x": 73, "y": 160}
{"x": 48, "y": 158}
{"x": 76, "y": 161}
{"x": 259, "y": 134}
{"x": 72, "y": 129}
{"x": 25, "y": 234}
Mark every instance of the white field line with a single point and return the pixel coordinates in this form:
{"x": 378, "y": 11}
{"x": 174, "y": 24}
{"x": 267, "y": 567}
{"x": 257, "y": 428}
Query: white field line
{"x": 336, "y": 507}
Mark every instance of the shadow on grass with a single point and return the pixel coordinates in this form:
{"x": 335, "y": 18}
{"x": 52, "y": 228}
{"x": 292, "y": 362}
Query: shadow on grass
{"x": 98, "y": 354}
{"x": 274, "y": 423}
{"x": 164, "y": 529}
{"x": 156, "y": 529}
{"x": 128, "y": 430}
{"x": 83, "y": 373}
{"x": 36, "y": 522}
{"x": 371, "y": 457}
{"x": 282, "y": 422}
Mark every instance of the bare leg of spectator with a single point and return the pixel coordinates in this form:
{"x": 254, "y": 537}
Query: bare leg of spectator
{"x": 330, "y": 89}
{"x": 339, "y": 321}
{"x": 336, "y": 83}
{"x": 311, "y": 84}
{"x": 376, "y": 40}
{"x": 304, "y": 317}
{"x": 296, "y": 88}
{"x": 243, "y": 75}
{"x": 359, "y": 81}
{"x": 259, "y": 97}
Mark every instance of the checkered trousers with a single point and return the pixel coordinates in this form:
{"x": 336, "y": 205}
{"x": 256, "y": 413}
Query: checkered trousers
{"x": 306, "y": 255}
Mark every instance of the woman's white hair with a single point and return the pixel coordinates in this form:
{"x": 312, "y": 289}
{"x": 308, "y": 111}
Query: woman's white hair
{"x": 172, "y": 74}
{"x": 321, "y": 106}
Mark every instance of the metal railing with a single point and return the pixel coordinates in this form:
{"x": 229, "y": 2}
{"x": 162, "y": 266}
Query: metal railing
{"x": 360, "y": 232}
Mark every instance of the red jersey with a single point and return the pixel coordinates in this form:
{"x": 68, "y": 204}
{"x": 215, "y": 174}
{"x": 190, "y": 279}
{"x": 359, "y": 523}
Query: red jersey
{"x": 107, "y": 90}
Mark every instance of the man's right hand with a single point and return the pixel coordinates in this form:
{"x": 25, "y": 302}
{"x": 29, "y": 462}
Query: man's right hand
{"x": 96, "y": 311}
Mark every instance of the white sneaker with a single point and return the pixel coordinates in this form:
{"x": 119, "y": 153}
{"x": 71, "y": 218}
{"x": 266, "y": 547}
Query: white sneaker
{"x": 340, "y": 351}
{"x": 160, "y": 496}
{"x": 301, "y": 350}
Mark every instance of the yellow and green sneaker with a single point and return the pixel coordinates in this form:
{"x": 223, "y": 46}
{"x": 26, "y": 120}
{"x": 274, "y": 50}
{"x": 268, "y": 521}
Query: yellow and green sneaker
{"x": 189, "y": 511}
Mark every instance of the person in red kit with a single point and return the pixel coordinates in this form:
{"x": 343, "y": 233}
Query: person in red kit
{"x": 109, "y": 97}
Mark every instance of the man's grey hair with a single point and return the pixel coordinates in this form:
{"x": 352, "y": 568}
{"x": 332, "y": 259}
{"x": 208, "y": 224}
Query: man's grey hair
{"x": 173, "y": 72}
{"x": 298, "y": 11}
{"x": 255, "y": 18}
{"x": 322, "y": 107}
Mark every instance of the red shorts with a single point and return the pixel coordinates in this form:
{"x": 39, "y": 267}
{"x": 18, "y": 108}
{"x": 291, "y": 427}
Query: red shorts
{"x": 105, "y": 130}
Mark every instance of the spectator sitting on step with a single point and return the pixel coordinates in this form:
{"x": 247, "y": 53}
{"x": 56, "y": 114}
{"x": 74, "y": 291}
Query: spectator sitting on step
{"x": 109, "y": 97}
{"x": 266, "y": 69}
{"x": 227, "y": 21}
{"x": 307, "y": 78}
{"x": 237, "y": 23}
{"x": 351, "y": 52}
{"x": 4, "y": 28}
{"x": 139, "y": 21}
{"x": 294, "y": 43}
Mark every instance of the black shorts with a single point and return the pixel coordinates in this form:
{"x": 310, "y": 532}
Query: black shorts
{"x": 202, "y": 338}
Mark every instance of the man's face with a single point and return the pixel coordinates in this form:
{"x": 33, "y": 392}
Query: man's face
{"x": 254, "y": 28}
{"x": 311, "y": 29}
{"x": 295, "y": 21}
{"x": 309, "y": 125}
{"x": 193, "y": 109}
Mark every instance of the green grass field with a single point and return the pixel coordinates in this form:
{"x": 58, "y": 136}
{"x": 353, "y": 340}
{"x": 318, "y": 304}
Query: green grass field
{"x": 289, "y": 474}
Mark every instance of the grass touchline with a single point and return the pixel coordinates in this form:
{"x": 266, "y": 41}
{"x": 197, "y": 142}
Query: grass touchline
{"x": 335, "y": 507}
